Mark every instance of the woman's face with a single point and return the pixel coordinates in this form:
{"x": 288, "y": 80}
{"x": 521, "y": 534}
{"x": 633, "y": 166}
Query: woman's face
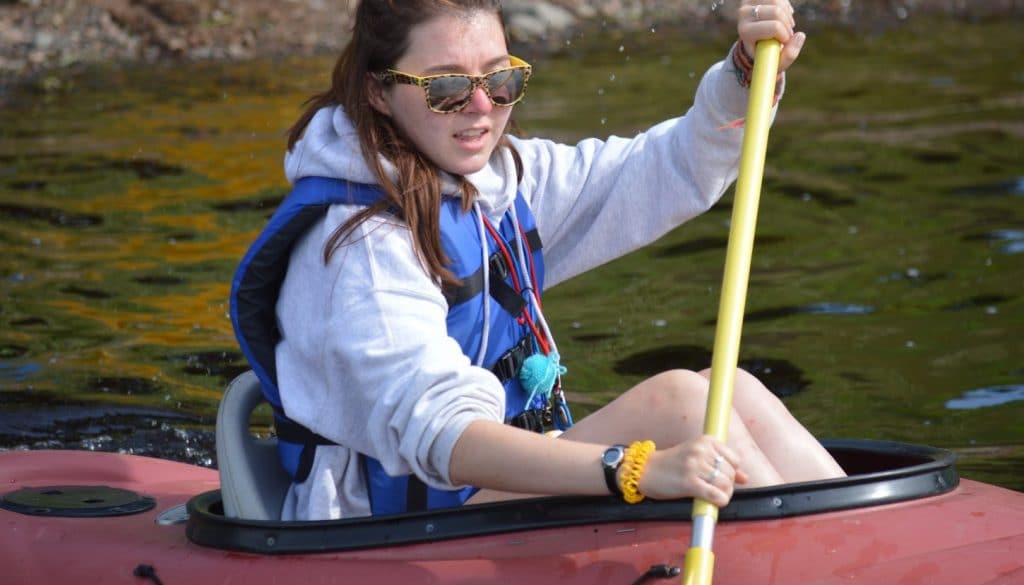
{"x": 460, "y": 143}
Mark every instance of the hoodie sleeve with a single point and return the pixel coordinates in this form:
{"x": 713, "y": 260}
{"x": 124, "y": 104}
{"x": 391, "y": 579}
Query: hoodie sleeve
{"x": 366, "y": 359}
{"x": 601, "y": 199}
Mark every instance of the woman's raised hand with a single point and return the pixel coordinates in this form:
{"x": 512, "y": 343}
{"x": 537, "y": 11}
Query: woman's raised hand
{"x": 758, "y": 20}
{"x": 702, "y": 468}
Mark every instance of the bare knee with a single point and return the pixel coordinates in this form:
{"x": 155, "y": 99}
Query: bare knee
{"x": 755, "y": 391}
{"x": 757, "y": 406}
{"x": 667, "y": 408}
{"x": 679, "y": 380}
{"x": 748, "y": 388}
{"x": 680, "y": 392}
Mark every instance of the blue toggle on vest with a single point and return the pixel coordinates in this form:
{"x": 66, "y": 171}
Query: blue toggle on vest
{"x": 258, "y": 281}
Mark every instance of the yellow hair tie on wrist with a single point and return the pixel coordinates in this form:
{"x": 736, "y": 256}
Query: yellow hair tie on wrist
{"x": 633, "y": 465}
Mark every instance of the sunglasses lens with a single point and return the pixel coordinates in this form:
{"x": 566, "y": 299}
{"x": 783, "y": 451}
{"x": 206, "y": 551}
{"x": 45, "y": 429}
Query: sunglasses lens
{"x": 451, "y": 93}
{"x": 506, "y": 87}
{"x": 447, "y": 94}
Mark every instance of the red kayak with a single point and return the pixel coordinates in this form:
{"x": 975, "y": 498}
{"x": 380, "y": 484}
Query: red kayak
{"x": 902, "y": 516}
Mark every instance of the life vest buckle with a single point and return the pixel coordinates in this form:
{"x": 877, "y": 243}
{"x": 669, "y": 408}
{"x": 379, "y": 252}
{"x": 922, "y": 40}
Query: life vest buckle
{"x": 498, "y": 266}
{"x": 535, "y": 420}
{"x": 508, "y": 365}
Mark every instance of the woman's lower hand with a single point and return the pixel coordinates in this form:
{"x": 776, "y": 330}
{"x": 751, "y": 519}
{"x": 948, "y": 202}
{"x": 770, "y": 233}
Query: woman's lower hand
{"x": 702, "y": 468}
{"x": 758, "y": 20}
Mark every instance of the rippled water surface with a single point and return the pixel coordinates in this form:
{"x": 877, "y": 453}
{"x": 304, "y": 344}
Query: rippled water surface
{"x": 885, "y": 298}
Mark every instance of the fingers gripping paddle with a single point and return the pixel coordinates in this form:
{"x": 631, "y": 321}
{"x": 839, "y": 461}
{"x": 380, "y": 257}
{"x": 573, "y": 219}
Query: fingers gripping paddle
{"x": 700, "y": 560}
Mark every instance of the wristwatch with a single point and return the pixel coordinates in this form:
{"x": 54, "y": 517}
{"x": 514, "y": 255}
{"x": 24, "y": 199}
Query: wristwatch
{"x": 610, "y": 462}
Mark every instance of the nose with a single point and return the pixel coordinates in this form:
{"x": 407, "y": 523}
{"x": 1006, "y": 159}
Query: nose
{"x": 479, "y": 102}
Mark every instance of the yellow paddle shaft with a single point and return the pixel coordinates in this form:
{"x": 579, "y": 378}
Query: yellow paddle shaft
{"x": 699, "y": 558}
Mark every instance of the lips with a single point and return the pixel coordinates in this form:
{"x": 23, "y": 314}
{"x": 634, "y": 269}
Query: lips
{"x": 471, "y": 134}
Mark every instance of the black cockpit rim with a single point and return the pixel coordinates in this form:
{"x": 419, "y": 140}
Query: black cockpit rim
{"x": 880, "y": 473}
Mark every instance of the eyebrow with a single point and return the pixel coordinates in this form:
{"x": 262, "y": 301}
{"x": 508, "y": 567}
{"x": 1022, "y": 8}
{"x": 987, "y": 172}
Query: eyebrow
{"x": 491, "y": 65}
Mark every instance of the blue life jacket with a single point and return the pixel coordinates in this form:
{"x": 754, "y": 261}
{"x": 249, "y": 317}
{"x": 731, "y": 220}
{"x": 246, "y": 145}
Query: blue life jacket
{"x": 257, "y": 285}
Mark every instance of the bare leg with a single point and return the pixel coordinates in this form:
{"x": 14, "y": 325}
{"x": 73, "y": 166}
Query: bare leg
{"x": 667, "y": 409}
{"x": 791, "y": 448}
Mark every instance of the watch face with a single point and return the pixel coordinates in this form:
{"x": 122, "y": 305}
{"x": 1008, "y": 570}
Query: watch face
{"x": 612, "y": 456}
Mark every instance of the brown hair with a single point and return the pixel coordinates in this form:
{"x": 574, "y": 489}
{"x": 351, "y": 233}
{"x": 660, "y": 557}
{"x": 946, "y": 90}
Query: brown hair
{"x": 380, "y": 37}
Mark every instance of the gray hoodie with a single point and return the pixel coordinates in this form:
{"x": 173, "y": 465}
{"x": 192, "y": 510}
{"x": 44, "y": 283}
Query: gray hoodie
{"x": 365, "y": 359}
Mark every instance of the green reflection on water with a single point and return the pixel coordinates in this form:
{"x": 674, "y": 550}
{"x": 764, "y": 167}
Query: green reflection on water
{"x": 887, "y": 269}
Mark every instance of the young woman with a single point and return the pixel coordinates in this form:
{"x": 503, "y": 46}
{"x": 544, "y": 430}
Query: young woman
{"x": 408, "y": 359}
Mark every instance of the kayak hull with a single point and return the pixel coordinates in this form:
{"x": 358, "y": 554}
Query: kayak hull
{"x": 966, "y": 533}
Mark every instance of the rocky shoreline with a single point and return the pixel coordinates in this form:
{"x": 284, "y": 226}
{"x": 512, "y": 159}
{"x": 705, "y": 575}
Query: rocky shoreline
{"x": 41, "y": 36}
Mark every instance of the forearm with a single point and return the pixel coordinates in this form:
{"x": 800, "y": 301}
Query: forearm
{"x": 598, "y": 200}
{"x": 499, "y": 457}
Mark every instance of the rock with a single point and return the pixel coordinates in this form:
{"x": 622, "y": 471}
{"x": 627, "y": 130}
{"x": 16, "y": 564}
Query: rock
{"x": 528, "y": 21}
{"x": 176, "y": 12}
{"x": 40, "y": 35}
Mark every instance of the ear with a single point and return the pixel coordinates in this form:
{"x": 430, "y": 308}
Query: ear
{"x": 375, "y": 95}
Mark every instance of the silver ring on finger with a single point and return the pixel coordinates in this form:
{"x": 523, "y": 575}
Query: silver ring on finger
{"x": 718, "y": 462}
{"x": 712, "y": 476}
{"x": 757, "y": 12}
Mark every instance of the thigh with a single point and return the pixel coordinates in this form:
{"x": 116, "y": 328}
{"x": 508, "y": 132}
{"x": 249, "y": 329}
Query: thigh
{"x": 794, "y": 452}
{"x": 667, "y": 408}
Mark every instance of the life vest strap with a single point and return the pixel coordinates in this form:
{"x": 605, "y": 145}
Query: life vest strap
{"x": 533, "y": 240}
{"x": 292, "y": 432}
{"x": 534, "y": 420}
{"x": 500, "y": 290}
{"x": 508, "y": 365}
{"x": 416, "y": 495}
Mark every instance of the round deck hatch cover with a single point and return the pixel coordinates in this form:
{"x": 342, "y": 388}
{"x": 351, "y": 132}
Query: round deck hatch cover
{"x": 76, "y": 501}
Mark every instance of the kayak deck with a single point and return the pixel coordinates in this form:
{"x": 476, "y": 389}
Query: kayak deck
{"x": 870, "y": 526}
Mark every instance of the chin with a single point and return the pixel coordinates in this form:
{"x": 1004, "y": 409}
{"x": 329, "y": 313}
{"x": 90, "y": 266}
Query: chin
{"x": 467, "y": 167}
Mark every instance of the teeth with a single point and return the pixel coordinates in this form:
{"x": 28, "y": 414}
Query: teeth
{"x": 471, "y": 133}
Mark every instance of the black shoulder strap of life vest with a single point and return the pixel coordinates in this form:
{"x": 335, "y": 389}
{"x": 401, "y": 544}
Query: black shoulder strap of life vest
{"x": 498, "y": 268}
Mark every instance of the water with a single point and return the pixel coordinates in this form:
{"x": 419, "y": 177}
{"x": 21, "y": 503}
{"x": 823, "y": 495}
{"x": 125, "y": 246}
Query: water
{"x": 885, "y": 296}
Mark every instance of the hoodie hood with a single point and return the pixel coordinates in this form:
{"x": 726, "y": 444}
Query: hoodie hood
{"x": 330, "y": 148}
